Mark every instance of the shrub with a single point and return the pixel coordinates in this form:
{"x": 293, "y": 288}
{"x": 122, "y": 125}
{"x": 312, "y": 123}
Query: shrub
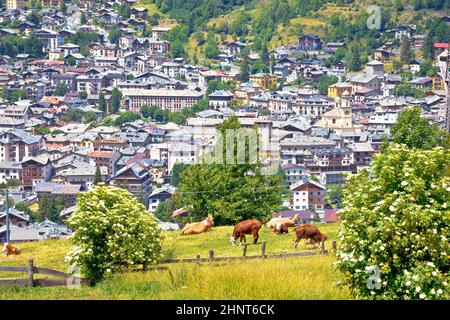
{"x": 113, "y": 230}
{"x": 395, "y": 226}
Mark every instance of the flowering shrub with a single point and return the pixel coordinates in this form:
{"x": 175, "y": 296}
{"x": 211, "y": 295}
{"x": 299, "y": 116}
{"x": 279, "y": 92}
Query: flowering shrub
{"x": 113, "y": 230}
{"x": 396, "y": 226}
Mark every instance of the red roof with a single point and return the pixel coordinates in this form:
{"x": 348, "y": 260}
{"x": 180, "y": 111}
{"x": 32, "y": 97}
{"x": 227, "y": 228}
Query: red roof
{"x": 101, "y": 154}
{"x": 442, "y": 45}
{"x": 330, "y": 215}
{"x": 77, "y": 70}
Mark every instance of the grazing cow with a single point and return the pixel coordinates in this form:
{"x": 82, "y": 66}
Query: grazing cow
{"x": 309, "y": 232}
{"x": 198, "y": 227}
{"x": 10, "y": 250}
{"x": 280, "y": 228}
{"x": 250, "y": 226}
{"x": 288, "y": 222}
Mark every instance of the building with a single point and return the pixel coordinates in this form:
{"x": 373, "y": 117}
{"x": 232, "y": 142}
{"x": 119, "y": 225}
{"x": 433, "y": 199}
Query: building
{"x": 9, "y": 171}
{"x": 220, "y": 99}
{"x": 403, "y": 30}
{"x": 362, "y": 153}
{"x": 309, "y": 42}
{"x": 16, "y": 144}
{"x": 367, "y": 81}
{"x": 264, "y": 80}
{"x": 308, "y": 194}
{"x": 35, "y": 170}
{"x": 340, "y": 119}
{"x": 172, "y": 100}
{"x": 16, "y": 218}
{"x": 158, "y": 195}
{"x": 105, "y": 159}
{"x": 294, "y": 173}
{"x": 136, "y": 178}
{"x": 52, "y": 39}
{"x": 330, "y": 165}
{"x": 67, "y": 192}
{"x": 381, "y": 122}
{"x": 51, "y": 3}
{"x": 13, "y": 4}
{"x": 375, "y": 67}
{"x": 338, "y": 89}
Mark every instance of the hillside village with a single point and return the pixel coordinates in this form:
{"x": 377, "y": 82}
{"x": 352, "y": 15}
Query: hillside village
{"x": 80, "y": 104}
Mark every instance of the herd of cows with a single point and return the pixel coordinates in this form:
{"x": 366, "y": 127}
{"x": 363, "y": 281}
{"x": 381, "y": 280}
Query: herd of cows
{"x": 279, "y": 226}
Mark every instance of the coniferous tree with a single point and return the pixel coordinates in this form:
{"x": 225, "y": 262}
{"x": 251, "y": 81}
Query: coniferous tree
{"x": 116, "y": 96}
{"x": 102, "y": 102}
{"x": 406, "y": 53}
{"x": 245, "y": 69}
{"x": 428, "y": 49}
{"x": 98, "y": 175}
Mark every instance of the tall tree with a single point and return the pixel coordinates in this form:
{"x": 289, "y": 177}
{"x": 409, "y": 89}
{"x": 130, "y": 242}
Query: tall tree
{"x": 50, "y": 208}
{"x": 116, "y": 96}
{"x": 102, "y": 102}
{"x": 211, "y": 50}
{"x": 406, "y": 53}
{"x": 61, "y": 90}
{"x": 230, "y": 191}
{"x": 353, "y": 57}
{"x": 98, "y": 175}
{"x": 428, "y": 50}
{"x": 245, "y": 69}
{"x": 265, "y": 58}
{"x": 83, "y": 19}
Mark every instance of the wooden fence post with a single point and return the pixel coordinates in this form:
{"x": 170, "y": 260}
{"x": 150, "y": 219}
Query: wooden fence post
{"x": 333, "y": 244}
{"x": 198, "y": 259}
{"x": 244, "y": 250}
{"x": 211, "y": 254}
{"x": 322, "y": 250}
{"x": 263, "y": 249}
{"x": 30, "y": 272}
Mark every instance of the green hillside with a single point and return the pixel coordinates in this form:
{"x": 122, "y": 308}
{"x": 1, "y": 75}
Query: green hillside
{"x": 280, "y": 22}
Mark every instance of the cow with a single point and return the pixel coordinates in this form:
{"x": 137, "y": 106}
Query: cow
{"x": 198, "y": 227}
{"x": 280, "y": 228}
{"x": 288, "y": 222}
{"x": 249, "y": 226}
{"x": 309, "y": 232}
{"x": 10, "y": 250}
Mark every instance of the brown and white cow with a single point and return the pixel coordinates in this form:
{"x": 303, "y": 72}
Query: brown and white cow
{"x": 10, "y": 250}
{"x": 198, "y": 227}
{"x": 249, "y": 226}
{"x": 280, "y": 228}
{"x": 288, "y": 222}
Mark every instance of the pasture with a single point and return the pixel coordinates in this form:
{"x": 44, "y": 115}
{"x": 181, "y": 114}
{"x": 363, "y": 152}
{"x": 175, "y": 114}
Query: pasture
{"x": 309, "y": 277}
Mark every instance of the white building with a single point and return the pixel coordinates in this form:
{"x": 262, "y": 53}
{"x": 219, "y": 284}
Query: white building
{"x": 9, "y": 171}
{"x": 308, "y": 194}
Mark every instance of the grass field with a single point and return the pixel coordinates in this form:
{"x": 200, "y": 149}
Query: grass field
{"x": 310, "y": 277}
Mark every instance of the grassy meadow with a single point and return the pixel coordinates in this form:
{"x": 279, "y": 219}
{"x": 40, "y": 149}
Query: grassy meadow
{"x": 310, "y": 277}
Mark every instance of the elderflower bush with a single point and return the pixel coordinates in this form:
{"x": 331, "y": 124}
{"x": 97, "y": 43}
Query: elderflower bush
{"x": 396, "y": 219}
{"x": 113, "y": 230}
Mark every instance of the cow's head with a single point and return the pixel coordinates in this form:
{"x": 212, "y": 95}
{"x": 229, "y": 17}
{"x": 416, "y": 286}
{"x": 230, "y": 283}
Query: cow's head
{"x": 5, "y": 247}
{"x": 296, "y": 217}
{"x": 209, "y": 219}
{"x": 233, "y": 240}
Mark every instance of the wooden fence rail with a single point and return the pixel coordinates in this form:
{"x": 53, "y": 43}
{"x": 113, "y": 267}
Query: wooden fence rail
{"x": 244, "y": 256}
{"x": 31, "y": 270}
{"x": 63, "y": 278}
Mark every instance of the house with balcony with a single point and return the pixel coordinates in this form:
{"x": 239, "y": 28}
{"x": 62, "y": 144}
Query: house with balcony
{"x": 308, "y": 194}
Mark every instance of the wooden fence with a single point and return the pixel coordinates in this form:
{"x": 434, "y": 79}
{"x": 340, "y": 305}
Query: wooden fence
{"x": 244, "y": 256}
{"x": 31, "y": 270}
{"x": 63, "y": 278}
